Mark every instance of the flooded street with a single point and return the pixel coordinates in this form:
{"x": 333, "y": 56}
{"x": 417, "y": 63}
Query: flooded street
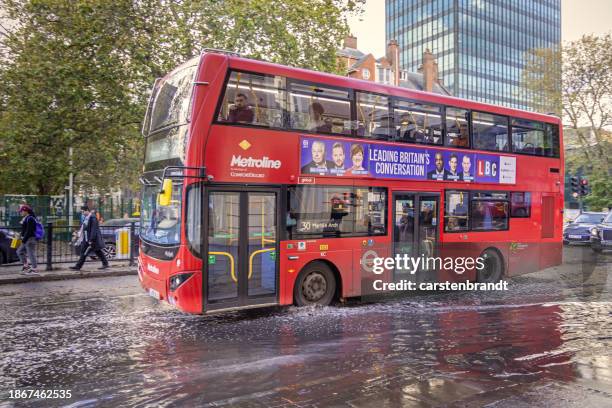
{"x": 547, "y": 341}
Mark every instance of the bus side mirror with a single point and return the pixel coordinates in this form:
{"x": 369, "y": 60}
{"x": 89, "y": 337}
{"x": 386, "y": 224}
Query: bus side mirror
{"x": 164, "y": 196}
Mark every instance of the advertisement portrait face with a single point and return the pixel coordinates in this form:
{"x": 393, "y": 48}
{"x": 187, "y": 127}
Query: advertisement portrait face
{"x": 452, "y": 163}
{"x": 318, "y": 152}
{"x": 439, "y": 162}
{"x": 466, "y": 167}
{"x": 338, "y": 155}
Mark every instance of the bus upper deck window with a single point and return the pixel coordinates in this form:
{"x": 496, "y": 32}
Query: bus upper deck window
{"x": 529, "y": 137}
{"x": 319, "y": 109}
{"x": 418, "y": 122}
{"x": 457, "y": 127}
{"x": 490, "y": 132}
{"x": 253, "y": 99}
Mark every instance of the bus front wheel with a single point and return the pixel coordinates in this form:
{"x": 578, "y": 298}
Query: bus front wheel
{"x": 493, "y": 267}
{"x": 316, "y": 285}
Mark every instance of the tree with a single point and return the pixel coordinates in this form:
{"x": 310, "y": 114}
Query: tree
{"x": 583, "y": 98}
{"x": 541, "y": 80}
{"x": 78, "y": 73}
{"x": 600, "y": 197}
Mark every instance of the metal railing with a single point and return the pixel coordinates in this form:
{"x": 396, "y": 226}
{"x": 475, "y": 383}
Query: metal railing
{"x": 59, "y": 245}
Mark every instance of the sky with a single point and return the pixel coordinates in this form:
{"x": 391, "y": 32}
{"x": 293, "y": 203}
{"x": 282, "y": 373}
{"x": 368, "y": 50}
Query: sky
{"x": 578, "y": 17}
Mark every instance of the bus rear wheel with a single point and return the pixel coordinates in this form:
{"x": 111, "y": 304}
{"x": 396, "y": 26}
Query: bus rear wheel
{"x": 493, "y": 267}
{"x": 316, "y": 285}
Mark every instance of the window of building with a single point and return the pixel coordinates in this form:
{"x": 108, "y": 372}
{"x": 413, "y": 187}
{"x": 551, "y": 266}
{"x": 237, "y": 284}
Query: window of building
{"x": 365, "y": 73}
{"x": 456, "y": 214}
{"x": 254, "y": 99}
{"x": 489, "y": 211}
{"x": 530, "y": 137}
{"x": 319, "y": 109}
{"x": 457, "y": 127}
{"x": 489, "y": 132}
{"x": 336, "y": 211}
{"x": 418, "y": 122}
{"x": 374, "y": 119}
{"x": 520, "y": 204}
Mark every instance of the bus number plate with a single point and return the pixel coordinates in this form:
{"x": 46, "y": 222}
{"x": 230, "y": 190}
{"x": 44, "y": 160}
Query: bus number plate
{"x": 154, "y": 293}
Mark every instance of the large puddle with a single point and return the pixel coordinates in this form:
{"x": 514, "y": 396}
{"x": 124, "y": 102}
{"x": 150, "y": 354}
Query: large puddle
{"x": 548, "y": 332}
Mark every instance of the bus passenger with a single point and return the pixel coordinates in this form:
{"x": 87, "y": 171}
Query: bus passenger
{"x": 453, "y": 224}
{"x": 316, "y": 123}
{"x": 386, "y": 129}
{"x": 241, "y": 112}
{"x": 407, "y": 129}
{"x": 463, "y": 137}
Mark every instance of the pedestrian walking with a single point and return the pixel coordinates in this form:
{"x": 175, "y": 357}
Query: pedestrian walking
{"x": 27, "y": 250}
{"x": 91, "y": 240}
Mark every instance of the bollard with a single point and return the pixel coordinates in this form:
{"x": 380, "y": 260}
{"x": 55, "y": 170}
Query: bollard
{"x": 122, "y": 243}
{"x": 132, "y": 241}
{"x": 49, "y": 246}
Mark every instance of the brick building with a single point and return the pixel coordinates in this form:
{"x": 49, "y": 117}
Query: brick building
{"x": 386, "y": 69}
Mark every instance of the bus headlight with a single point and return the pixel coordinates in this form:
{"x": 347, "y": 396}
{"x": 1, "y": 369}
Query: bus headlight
{"x": 177, "y": 280}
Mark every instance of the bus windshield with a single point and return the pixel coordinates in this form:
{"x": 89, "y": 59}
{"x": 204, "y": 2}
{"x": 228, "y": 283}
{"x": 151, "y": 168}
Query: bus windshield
{"x": 161, "y": 224}
{"x": 171, "y": 99}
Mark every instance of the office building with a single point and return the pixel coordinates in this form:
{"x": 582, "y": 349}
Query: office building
{"x": 480, "y": 45}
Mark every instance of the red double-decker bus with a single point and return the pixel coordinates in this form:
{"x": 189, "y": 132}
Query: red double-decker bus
{"x": 270, "y": 185}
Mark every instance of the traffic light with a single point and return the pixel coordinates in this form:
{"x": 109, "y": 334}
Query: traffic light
{"x": 584, "y": 187}
{"x": 575, "y": 183}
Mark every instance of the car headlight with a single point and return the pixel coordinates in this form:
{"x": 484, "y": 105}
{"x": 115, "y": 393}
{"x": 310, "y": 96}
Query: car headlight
{"x": 10, "y": 234}
{"x": 594, "y": 232}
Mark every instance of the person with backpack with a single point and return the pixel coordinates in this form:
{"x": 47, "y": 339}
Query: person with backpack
{"x": 91, "y": 240}
{"x": 30, "y": 234}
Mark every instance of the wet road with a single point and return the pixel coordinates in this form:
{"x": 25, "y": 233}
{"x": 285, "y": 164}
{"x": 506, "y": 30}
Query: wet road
{"x": 547, "y": 341}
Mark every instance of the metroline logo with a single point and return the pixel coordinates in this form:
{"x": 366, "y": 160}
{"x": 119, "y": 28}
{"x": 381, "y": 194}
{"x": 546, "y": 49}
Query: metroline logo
{"x": 263, "y": 163}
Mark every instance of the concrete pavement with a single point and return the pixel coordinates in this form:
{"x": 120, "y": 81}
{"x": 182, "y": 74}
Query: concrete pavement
{"x": 12, "y": 274}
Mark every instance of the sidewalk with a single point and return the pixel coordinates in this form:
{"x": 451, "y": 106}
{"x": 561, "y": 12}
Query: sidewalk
{"x": 11, "y": 274}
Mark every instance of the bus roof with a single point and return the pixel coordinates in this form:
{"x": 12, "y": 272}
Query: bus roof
{"x": 264, "y": 67}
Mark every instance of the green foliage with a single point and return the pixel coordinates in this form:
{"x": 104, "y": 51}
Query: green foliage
{"x": 583, "y": 98}
{"x": 601, "y": 187}
{"x": 541, "y": 80}
{"x": 78, "y": 73}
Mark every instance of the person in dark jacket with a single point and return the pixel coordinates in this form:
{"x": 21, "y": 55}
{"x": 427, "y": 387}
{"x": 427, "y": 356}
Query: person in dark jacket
{"x": 27, "y": 249}
{"x": 91, "y": 240}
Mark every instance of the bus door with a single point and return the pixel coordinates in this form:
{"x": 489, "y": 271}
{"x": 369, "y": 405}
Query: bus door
{"x": 241, "y": 259}
{"x": 415, "y": 229}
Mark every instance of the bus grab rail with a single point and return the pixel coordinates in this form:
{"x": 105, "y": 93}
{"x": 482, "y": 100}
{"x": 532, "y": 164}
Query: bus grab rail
{"x": 253, "y": 255}
{"x": 231, "y": 258}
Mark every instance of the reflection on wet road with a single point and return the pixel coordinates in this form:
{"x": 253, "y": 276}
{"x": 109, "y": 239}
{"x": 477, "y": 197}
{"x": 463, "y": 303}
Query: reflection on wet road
{"x": 547, "y": 341}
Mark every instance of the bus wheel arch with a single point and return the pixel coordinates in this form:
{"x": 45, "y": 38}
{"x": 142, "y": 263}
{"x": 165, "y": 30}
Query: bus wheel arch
{"x": 495, "y": 266}
{"x": 314, "y": 278}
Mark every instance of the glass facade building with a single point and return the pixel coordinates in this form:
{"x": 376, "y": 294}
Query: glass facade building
{"x": 480, "y": 45}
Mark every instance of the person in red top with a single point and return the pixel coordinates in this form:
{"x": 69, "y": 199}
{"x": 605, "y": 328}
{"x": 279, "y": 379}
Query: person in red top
{"x": 241, "y": 112}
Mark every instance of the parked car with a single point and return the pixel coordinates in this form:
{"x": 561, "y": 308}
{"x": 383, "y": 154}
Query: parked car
{"x": 108, "y": 229}
{"x": 601, "y": 234}
{"x": 569, "y": 215}
{"x": 579, "y": 230}
{"x": 7, "y": 254}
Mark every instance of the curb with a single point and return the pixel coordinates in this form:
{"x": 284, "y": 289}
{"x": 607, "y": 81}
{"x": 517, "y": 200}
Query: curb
{"x": 65, "y": 275}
